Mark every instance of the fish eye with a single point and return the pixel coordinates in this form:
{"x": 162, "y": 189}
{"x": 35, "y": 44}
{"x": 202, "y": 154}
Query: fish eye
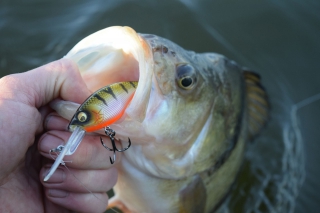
{"x": 186, "y": 82}
{"x": 186, "y": 76}
{"x": 82, "y": 116}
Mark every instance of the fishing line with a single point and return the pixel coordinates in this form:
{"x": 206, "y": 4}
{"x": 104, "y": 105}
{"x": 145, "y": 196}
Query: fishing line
{"x": 294, "y": 113}
{"x": 307, "y": 101}
{"x": 296, "y": 149}
{"x": 82, "y": 184}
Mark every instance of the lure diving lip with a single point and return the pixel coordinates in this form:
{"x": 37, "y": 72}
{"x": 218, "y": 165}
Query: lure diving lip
{"x": 70, "y": 147}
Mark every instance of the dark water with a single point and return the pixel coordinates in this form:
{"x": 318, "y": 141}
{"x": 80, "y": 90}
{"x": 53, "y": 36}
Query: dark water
{"x": 278, "y": 39}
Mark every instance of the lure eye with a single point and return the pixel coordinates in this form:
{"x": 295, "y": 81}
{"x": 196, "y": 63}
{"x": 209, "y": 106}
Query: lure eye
{"x": 82, "y": 117}
{"x": 186, "y": 76}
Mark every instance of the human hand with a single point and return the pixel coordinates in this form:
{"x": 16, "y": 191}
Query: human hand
{"x": 24, "y": 110}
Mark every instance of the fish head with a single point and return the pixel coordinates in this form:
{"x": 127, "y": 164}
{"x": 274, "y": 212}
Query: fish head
{"x": 178, "y": 90}
{"x": 190, "y": 91}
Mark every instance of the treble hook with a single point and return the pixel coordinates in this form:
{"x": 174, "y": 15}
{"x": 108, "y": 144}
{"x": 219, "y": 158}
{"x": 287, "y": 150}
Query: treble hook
{"x": 111, "y": 133}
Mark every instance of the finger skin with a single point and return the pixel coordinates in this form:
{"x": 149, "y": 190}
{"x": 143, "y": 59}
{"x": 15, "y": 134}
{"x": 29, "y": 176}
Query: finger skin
{"x": 80, "y": 181}
{"x": 89, "y": 155}
{"x": 79, "y": 202}
{"x": 59, "y": 79}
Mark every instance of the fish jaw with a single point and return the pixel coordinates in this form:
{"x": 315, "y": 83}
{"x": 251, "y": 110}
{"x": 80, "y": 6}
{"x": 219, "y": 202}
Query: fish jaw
{"x": 116, "y": 54}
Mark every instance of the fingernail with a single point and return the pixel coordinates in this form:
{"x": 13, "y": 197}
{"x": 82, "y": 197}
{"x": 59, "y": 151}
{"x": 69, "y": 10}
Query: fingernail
{"x": 57, "y": 193}
{"x": 57, "y": 177}
{"x": 54, "y": 121}
{"x": 46, "y": 121}
{"x": 48, "y": 142}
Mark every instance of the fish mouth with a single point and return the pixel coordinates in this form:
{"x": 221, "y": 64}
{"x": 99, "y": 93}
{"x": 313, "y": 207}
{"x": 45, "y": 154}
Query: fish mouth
{"x": 117, "y": 54}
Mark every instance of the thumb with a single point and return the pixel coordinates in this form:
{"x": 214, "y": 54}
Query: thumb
{"x": 39, "y": 86}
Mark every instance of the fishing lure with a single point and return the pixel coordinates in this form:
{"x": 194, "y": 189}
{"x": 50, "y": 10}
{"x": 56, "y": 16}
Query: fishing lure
{"x": 102, "y": 108}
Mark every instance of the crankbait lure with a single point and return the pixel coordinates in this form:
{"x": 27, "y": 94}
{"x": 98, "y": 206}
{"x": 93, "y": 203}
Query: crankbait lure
{"x": 102, "y": 108}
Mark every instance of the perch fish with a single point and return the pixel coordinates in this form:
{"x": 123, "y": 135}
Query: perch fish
{"x": 189, "y": 119}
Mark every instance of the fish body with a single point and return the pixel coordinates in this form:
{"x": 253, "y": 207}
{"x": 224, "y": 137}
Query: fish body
{"x": 189, "y": 119}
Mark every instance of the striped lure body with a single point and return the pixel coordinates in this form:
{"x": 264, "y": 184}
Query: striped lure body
{"x": 104, "y": 107}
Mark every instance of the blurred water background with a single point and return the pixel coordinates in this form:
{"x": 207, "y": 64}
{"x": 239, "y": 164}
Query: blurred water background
{"x": 278, "y": 39}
